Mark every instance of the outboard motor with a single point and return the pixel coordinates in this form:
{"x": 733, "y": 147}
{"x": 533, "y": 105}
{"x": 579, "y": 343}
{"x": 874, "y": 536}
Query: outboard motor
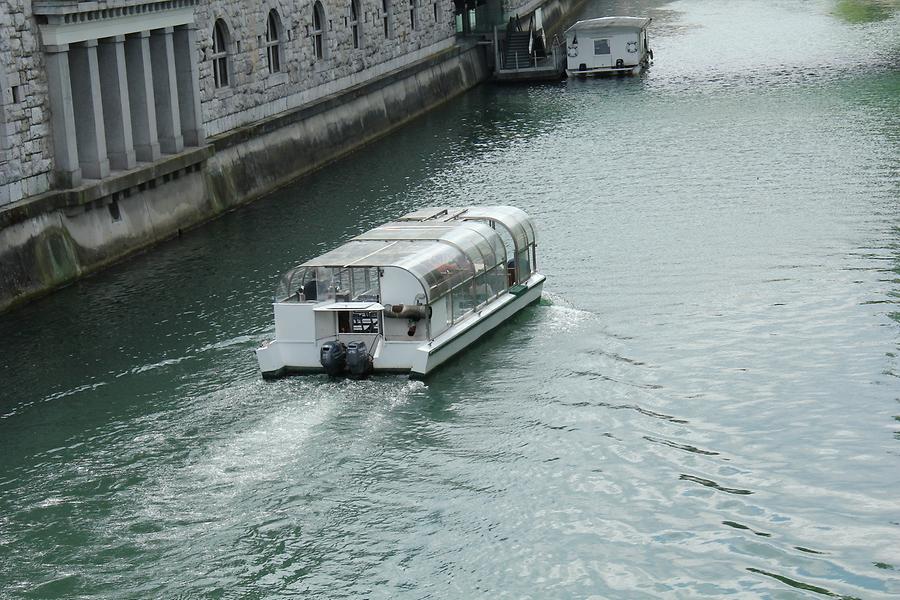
{"x": 358, "y": 360}
{"x": 620, "y": 63}
{"x": 333, "y": 356}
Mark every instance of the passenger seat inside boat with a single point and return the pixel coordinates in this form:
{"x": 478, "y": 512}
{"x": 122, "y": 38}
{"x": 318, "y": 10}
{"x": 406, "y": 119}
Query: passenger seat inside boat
{"x": 309, "y": 290}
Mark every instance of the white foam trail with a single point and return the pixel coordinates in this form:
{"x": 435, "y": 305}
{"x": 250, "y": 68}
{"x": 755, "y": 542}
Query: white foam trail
{"x": 561, "y": 316}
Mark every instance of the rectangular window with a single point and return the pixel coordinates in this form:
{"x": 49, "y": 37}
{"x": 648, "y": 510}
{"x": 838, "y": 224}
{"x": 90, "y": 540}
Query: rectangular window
{"x": 113, "y": 207}
{"x": 364, "y": 322}
{"x": 220, "y": 71}
{"x": 386, "y": 17}
{"x": 601, "y": 46}
{"x": 319, "y": 46}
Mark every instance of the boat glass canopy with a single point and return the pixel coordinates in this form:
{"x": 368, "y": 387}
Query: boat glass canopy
{"x": 441, "y": 247}
{"x": 515, "y": 220}
{"x": 605, "y": 23}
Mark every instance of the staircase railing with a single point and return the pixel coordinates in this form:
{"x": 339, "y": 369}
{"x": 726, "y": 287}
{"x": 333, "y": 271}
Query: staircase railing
{"x": 512, "y": 53}
{"x": 531, "y": 35}
{"x": 510, "y": 27}
{"x": 556, "y": 46}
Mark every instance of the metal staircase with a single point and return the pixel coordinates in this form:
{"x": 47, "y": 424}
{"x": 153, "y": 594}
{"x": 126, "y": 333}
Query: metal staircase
{"x": 522, "y": 53}
{"x": 516, "y": 54}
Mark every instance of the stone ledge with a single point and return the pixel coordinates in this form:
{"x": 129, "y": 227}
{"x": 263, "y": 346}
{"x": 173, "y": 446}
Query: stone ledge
{"x": 101, "y": 10}
{"x": 95, "y": 190}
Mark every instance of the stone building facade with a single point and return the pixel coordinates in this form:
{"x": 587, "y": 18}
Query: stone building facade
{"x": 93, "y": 88}
{"x": 357, "y": 40}
{"x": 26, "y": 158}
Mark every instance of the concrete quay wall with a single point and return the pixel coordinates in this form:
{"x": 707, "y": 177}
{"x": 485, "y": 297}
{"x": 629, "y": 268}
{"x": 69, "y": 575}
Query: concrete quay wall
{"x": 63, "y": 235}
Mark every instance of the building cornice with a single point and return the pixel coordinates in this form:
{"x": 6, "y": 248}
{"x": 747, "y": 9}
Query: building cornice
{"x": 68, "y": 22}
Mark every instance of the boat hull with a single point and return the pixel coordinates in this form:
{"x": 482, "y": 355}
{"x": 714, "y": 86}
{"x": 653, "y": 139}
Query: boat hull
{"x": 278, "y": 358}
{"x": 602, "y": 71}
{"x": 433, "y": 355}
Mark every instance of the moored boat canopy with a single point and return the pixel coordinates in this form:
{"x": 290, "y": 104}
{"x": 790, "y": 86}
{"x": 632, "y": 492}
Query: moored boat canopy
{"x": 602, "y": 23}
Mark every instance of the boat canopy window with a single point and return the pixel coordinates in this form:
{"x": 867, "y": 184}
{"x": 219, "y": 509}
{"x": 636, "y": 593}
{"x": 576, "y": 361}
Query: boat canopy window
{"x": 444, "y": 248}
{"x": 310, "y": 284}
{"x": 515, "y": 220}
{"x": 440, "y": 268}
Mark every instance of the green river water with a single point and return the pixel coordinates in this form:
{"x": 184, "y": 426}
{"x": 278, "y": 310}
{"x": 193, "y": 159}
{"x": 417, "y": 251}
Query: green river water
{"x": 705, "y": 403}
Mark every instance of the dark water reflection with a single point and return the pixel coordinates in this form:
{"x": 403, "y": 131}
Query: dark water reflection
{"x": 866, "y": 11}
{"x": 704, "y": 404}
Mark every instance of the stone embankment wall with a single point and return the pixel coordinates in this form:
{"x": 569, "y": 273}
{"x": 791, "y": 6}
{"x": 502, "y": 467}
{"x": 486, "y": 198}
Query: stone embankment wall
{"x": 255, "y": 159}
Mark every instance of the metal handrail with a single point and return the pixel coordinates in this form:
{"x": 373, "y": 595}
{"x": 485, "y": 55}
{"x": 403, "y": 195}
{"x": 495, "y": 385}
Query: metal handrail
{"x": 531, "y": 35}
{"x": 532, "y": 61}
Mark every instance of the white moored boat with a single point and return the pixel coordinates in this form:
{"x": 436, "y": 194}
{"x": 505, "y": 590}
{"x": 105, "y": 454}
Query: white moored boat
{"x": 405, "y": 296}
{"x": 608, "y": 45}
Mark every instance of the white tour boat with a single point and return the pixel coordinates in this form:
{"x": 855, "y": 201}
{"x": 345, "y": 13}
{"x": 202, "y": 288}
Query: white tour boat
{"x": 405, "y": 296}
{"x": 608, "y": 45}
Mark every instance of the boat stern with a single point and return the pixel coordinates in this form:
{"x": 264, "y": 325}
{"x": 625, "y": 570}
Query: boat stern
{"x": 270, "y": 360}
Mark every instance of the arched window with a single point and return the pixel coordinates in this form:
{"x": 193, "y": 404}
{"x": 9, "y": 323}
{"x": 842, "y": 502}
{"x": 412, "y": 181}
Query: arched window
{"x": 318, "y": 30}
{"x": 273, "y": 41}
{"x": 354, "y": 23}
{"x": 386, "y": 17}
{"x": 413, "y": 16}
{"x": 220, "y": 53}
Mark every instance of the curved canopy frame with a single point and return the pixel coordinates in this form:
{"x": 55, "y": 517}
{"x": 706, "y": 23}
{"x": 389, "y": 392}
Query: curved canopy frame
{"x": 515, "y": 220}
{"x": 440, "y": 247}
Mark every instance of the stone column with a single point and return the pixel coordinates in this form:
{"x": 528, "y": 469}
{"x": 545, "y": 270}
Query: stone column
{"x": 165, "y": 91}
{"x": 188, "y": 76}
{"x": 89, "y": 129}
{"x": 66, "y": 172}
{"x": 140, "y": 96}
{"x": 116, "y": 110}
